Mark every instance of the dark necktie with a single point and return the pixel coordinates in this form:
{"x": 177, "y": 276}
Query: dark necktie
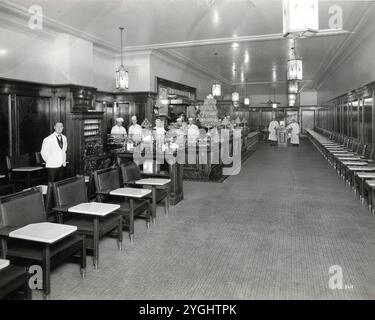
{"x": 60, "y": 141}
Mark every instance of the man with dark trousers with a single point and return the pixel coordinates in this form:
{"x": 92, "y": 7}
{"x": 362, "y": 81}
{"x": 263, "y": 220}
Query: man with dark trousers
{"x": 54, "y": 153}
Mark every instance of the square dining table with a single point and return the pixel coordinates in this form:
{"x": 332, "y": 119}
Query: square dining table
{"x": 28, "y": 171}
{"x": 131, "y": 193}
{"x": 46, "y": 233}
{"x": 154, "y": 183}
{"x": 96, "y": 210}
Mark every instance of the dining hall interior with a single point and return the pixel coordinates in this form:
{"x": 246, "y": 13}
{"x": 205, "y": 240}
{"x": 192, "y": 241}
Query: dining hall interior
{"x": 187, "y": 149}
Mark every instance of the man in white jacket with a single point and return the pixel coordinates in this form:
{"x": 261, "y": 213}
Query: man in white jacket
{"x": 54, "y": 153}
{"x": 295, "y": 132}
{"x": 272, "y": 137}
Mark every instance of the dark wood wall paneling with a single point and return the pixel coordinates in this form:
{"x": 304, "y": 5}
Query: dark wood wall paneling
{"x": 352, "y": 114}
{"x": 28, "y": 112}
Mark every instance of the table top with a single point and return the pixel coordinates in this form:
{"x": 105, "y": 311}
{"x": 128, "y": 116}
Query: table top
{"x": 371, "y": 183}
{"x": 153, "y": 181}
{"x": 4, "y": 263}
{"x": 365, "y": 174}
{"x": 343, "y": 153}
{"x": 130, "y": 192}
{"x": 348, "y": 158}
{"x": 359, "y": 168}
{"x": 2, "y": 176}
{"x": 27, "y": 169}
{"x": 354, "y": 163}
{"x": 94, "y": 208}
{"x": 45, "y": 232}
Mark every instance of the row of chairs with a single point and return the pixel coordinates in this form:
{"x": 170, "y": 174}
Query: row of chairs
{"x": 29, "y": 207}
{"x": 353, "y": 161}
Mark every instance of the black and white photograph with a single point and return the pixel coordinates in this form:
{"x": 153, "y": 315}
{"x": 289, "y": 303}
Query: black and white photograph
{"x": 187, "y": 155}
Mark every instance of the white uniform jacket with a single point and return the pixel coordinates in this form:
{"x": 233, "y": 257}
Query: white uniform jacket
{"x": 52, "y": 154}
{"x": 295, "y": 131}
{"x": 272, "y": 132}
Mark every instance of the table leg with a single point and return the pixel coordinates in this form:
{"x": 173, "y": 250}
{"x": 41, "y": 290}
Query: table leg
{"x": 167, "y": 202}
{"x": 153, "y": 204}
{"x": 83, "y": 257}
{"x": 28, "y": 179}
{"x": 47, "y": 272}
{"x": 131, "y": 220}
{"x": 352, "y": 178}
{"x": 96, "y": 242}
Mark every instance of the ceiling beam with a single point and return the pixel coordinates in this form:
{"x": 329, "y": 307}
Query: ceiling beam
{"x": 229, "y": 40}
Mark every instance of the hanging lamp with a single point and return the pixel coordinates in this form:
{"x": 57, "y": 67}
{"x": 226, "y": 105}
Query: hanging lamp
{"x": 246, "y": 100}
{"x": 294, "y": 65}
{"x": 300, "y": 18}
{"x": 216, "y": 86}
{"x": 122, "y": 76}
{"x": 235, "y": 94}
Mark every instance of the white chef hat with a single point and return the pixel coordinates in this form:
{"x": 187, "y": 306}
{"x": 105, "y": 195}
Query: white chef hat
{"x": 120, "y": 119}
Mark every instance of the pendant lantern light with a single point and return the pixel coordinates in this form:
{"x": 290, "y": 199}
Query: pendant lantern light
{"x": 122, "y": 76}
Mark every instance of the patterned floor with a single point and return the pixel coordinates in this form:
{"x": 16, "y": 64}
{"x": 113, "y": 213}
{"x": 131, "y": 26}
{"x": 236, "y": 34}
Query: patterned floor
{"x": 271, "y": 232}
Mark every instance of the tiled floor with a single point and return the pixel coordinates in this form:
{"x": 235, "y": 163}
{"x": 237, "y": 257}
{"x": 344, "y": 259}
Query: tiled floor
{"x": 271, "y": 232}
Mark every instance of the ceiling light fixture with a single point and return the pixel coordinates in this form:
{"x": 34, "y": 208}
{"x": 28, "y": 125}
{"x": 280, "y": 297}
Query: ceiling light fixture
{"x": 246, "y": 100}
{"x": 122, "y": 76}
{"x": 216, "y": 86}
{"x": 235, "y": 94}
{"x": 247, "y": 57}
{"x": 300, "y": 18}
{"x": 294, "y": 66}
{"x": 292, "y": 86}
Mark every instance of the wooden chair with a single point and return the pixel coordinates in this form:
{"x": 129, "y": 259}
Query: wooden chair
{"x": 107, "y": 180}
{"x": 24, "y": 208}
{"x": 131, "y": 173}
{"x": 27, "y": 179}
{"x": 72, "y": 191}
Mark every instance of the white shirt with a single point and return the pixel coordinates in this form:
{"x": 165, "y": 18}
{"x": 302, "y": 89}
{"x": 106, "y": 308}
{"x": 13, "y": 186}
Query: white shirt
{"x": 135, "y": 132}
{"x": 295, "y": 131}
{"x": 52, "y": 154}
{"x": 295, "y": 128}
{"x": 192, "y": 132}
{"x": 118, "y": 130}
{"x": 271, "y": 129}
{"x": 159, "y": 131}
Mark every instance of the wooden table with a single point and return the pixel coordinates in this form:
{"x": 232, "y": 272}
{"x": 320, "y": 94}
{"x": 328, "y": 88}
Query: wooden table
{"x": 28, "y": 170}
{"x": 352, "y": 170}
{"x": 361, "y": 177}
{"x": 131, "y": 193}
{"x": 95, "y": 210}
{"x": 154, "y": 183}
{"x": 348, "y": 158}
{"x": 369, "y": 186}
{"x": 46, "y": 233}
